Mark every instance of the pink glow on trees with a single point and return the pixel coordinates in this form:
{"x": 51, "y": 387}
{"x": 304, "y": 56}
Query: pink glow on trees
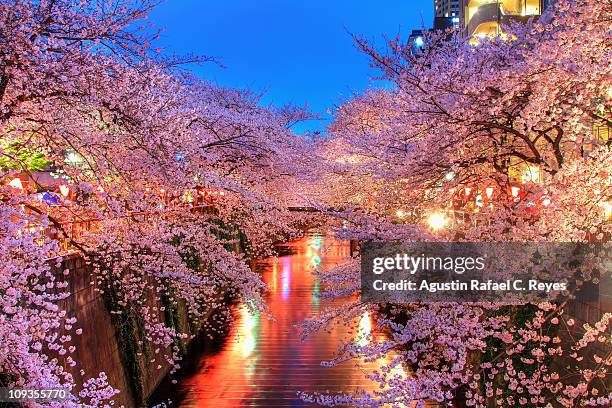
{"x": 465, "y": 116}
{"x": 130, "y": 133}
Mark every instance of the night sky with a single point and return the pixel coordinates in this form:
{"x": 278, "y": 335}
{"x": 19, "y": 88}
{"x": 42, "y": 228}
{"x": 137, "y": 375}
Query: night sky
{"x": 294, "y": 51}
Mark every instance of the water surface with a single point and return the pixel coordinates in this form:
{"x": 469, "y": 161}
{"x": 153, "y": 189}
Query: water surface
{"x": 264, "y": 363}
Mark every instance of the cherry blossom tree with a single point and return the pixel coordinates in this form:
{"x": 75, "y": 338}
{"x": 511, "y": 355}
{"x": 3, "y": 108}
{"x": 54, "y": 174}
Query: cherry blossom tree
{"x": 468, "y": 117}
{"x": 165, "y": 167}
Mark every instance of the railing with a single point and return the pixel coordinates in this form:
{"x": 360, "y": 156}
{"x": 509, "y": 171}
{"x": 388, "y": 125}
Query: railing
{"x": 490, "y": 12}
{"x": 500, "y": 11}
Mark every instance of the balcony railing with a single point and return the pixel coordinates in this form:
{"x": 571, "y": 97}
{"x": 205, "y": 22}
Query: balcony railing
{"x": 486, "y": 13}
{"x": 499, "y": 12}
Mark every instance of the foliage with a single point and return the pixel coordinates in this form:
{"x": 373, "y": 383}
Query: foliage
{"x": 463, "y": 115}
{"x": 83, "y": 77}
{"x": 15, "y": 156}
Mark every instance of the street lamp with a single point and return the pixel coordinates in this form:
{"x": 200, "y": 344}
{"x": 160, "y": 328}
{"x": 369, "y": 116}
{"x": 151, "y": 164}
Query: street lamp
{"x": 437, "y": 221}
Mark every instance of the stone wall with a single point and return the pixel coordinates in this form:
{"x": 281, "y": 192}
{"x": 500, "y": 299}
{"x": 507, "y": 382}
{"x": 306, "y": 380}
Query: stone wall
{"x": 102, "y": 345}
{"x": 97, "y": 349}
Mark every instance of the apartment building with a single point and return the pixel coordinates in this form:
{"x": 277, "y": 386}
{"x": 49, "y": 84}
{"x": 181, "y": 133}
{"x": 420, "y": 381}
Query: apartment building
{"x": 485, "y": 17}
{"x": 446, "y": 8}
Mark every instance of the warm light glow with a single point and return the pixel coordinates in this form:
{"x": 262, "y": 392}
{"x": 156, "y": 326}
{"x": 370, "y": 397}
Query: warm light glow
{"x": 73, "y": 158}
{"x": 16, "y": 183}
{"x": 286, "y": 278}
{"x": 515, "y": 191}
{"x": 531, "y": 10}
{"x": 437, "y": 221}
{"x": 249, "y": 323}
{"x": 468, "y": 191}
{"x": 449, "y": 176}
{"x": 546, "y": 201}
{"x": 365, "y": 330}
{"x": 607, "y": 209}
{"x": 485, "y": 31}
{"x": 489, "y": 192}
{"x": 531, "y": 175}
{"x": 64, "y": 189}
{"x": 400, "y": 213}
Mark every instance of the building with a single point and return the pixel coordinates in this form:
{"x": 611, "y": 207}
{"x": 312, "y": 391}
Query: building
{"x": 485, "y": 17}
{"x": 446, "y": 8}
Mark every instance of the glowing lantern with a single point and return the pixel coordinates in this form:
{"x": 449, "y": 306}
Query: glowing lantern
{"x": 515, "y": 191}
{"x": 468, "y": 191}
{"x": 64, "y": 189}
{"x": 16, "y": 183}
{"x": 221, "y": 193}
{"x": 437, "y": 221}
{"x": 489, "y": 192}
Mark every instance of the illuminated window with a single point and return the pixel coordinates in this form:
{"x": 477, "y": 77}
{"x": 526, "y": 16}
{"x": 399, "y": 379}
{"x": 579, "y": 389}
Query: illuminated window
{"x": 520, "y": 7}
{"x": 488, "y": 29}
{"x": 475, "y": 5}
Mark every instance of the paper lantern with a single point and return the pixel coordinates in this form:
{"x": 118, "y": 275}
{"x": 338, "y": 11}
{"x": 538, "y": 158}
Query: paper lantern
{"x": 64, "y": 189}
{"x": 16, "y": 183}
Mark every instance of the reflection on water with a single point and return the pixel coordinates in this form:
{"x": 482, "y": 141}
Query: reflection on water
{"x": 249, "y": 330}
{"x": 264, "y": 363}
{"x": 365, "y": 329}
{"x": 286, "y": 277}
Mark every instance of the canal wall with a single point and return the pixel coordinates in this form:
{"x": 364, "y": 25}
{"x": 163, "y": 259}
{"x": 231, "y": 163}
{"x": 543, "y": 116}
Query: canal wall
{"x": 112, "y": 343}
{"x": 97, "y": 348}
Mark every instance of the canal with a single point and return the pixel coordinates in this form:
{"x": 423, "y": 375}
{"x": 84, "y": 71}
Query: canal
{"x": 265, "y": 363}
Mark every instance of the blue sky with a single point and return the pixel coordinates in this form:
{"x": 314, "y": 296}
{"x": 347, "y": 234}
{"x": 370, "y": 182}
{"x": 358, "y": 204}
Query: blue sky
{"x": 294, "y": 51}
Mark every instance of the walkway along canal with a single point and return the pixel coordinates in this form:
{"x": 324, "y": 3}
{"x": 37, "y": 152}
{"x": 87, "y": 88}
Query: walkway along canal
{"x": 265, "y": 363}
